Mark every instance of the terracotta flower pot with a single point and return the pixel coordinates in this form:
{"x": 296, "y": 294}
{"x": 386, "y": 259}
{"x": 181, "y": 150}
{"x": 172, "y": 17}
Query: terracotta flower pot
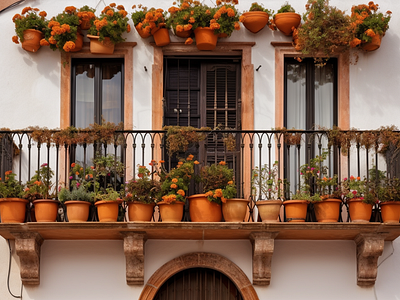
{"x": 161, "y": 37}
{"x": 107, "y": 210}
{"x": 327, "y": 210}
{"x": 205, "y": 38}
{"x": 269, "y": 210}
{"x": 254, "y": 21}
{"x": 78, "y": 43}
{"x": 171, "y": 212}
{"x": 140, "y": 212}
{"x": 286, "y": 21}
{"x": 374, "y": 44}
{"x": 202, "y": 210}
{"x": 296, "y": 210}
{"x": 77, "y": 211}
{"x": 183, "y": 34}
{"x": 32, "y": 39}
{"x": 359, "y": 211}
{"x": 103, "y": 47}
{"x": 142, "y": 33}
{"x": 46, "y": 210}
{"x": 12, "y": 210}
{"x": 234, "y": 210}
{"x": 390, "y": 211}
{"x": 85, "y": 24}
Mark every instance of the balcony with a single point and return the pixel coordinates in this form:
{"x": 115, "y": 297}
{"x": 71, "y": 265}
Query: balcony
{"x": 356, "y": 156}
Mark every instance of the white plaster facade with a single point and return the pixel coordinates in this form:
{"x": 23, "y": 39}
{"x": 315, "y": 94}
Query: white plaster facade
{"x": 30, "y": 95}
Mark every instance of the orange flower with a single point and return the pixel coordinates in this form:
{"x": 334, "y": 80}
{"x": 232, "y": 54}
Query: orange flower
{"x": 174, "y": 180}
{"x": 43, "y": 14}
{"x": 196, "y": 162}
{"x": 113, "y": 4}
{"x": 128, "y": 28}
{"x": 123, "y": 13}
{"x": 16, "y": 17}
{"x": 187, "y": 27}
{"x": 181, "y": 192}
{"x": 15, "y": 39}
{"x": 222, "y": 163}
{"x": 8, "y": 172}
{"x": 26, "y": 9}
{"x": 370, "y": 32}
{"x": 70, "y": 9}
{"x": 120, "y": 7}
{"x": 110, "y": 12}
{"x": 223, "y": 199}
{"x": 237, "y": 26}
{"x": 77, "y": 173}
{"x": 173, "y": 186}
{"x": 355, "y": 42}
{"x": 73, "y": 165}
{"x": 43, "y": 42}
{"x": 230, "y": 182}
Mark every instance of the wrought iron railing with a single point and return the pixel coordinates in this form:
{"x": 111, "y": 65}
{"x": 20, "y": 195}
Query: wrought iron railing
{"x": 350, "y": 153}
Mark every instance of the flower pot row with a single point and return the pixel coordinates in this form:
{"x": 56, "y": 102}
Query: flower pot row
{"x": 327, "y": 210}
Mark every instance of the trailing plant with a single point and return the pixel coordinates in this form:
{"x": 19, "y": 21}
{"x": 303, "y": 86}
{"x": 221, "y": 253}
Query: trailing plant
{"x": 179, "y": 138}
{"x": 286, "y": 7}
{"x": 325, "y": 30}
{"x": 30, "y": 18}
{"x": 112, "y": 23}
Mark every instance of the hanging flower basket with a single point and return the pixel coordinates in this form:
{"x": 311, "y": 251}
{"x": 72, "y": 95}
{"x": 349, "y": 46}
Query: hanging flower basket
{"x": 286, "y": 21}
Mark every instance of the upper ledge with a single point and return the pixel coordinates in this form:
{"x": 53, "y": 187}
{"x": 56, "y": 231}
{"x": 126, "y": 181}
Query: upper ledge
{"x": 282, "y": 44}
{"x": 201, "y": 231}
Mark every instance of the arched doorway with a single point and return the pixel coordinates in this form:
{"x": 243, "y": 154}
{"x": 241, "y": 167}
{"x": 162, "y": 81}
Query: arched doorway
{"x": 199, "y": 260}
{"x": 198, "y": 284}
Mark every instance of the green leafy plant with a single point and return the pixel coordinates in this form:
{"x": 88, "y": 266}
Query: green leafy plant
{"x": 139, "y": 14}
{"x": 255, "y": 6}
{"x": 10, "y": 187}
{"x": 217, "y": 181}
{"x": 40, "y": 185}
{"x": 62, "y": 30}
{"x": 143, "y": 188}
{"x": 286, "y": 7}
{"x": 175, "y": 183}
{"x": 112, "y": 23}
{"x": 368, "y": 22}
{"x": 227, "y": 17}
{"x": 266, "y": 183}
{"x": 355, "y": 188}
{"x": 77, "y": 193}
{"x": 30, "y": 18}
{"x": 325, "y": 30}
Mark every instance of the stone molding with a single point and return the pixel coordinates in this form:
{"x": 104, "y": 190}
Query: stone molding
{"x": 263, "y": 249}
{"x": 134, "y": 256}
{"x": 203, "y": 260}
{"x": 27, "y": 247}
{"x": 369, "y": 248}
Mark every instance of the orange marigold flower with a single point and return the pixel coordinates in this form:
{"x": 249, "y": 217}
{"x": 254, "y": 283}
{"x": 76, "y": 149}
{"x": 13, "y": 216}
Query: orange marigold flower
{"x": 66, "y": 27}
{"x": 241, "y": 18}
{"x": 208, "y": 12}
{"x": 16, "y": 17}
{"x": 53, "y": 23}
{"x": 214, "y": 26}
{"x": 218, "y": 2}
{"x": 235, "y": 2}
{"x": 128, "y": 28}
{"x": 43, "y": 42}
{"x": 120, "y": 7}
{"x": 237, "y": 26}
{"x": 113, "y": 4}
{"x": 173, "y": 186}
{"x": 70, "y": 9}
{"x": 105, "y": 9}
{"x": 358, "y": 178}
{"x": 179, "y": 28}
{"x": 15, "y": 39}
{"x": 181, "y": 192}
{"x": 223, "y": 199}
{"x": 174, "y": 180}
{"x": 26, "y": 9}
{"x": 180, "y": 163}
{"x": 189, "y": 41}
{"x": 161, "y": 161}
{"x": 52, "y": 40}
{"x": 187, "y": 27}
{"x": 184, "y": 5}
{"x": 43, "y": 14}
{"x": 196, "y": 162}
{"x": 123, "y": 13}
{"x": 231, "y": 12}
{"x": 110, "y": 12}
{"x": 115, "y": 22}
{"x": 370, "y": 32}
{"x": 217, "y": 16}
{"x": 77, "y": 173}
{"x": 222, "y": 163}
{"x": 389, "y": 12}
{"x": 355, "y": 42}
{"x": 8, "y": 172}
{"x": 230, "y": 182}
{"x": 190, "y": 157}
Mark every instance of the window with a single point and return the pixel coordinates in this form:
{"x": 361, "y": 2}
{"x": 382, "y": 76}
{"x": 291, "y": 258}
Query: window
{"x": 203, "y": 92}
{"x": 310, "y": 103}
{"x": 97, "y": 93}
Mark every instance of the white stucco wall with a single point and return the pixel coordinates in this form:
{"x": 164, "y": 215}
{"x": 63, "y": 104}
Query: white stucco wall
{"x": 315, "y": 269}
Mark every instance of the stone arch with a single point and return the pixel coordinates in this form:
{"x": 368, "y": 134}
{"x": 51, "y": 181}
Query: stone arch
{"x": 199, "y": 260}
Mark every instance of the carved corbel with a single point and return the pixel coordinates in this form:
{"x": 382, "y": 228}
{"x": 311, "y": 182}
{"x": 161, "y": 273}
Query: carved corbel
{"x": 263, "y": 249}
{"x": 27, "y": 247}
{"x": 134, "y": 255}
{"x": 369, "y": 248}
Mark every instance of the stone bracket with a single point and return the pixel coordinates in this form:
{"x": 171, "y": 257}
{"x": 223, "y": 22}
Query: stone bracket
{"x": 369, "y": 248}
{"x": 263, "y": 249}
{"x": 27, "y": 247}
{"x": 134, "y": 255}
